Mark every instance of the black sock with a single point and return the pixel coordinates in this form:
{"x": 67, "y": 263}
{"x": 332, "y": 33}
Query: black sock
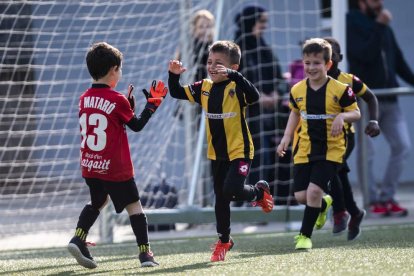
{"x": 87, "y": 218}
{"x": 338, "y": 196}
{"x": 350, "y": 203}
{"x": 259, "y": 194}
{"x": 140, "y": 227}
{"x": 224, "y": 238}
{"x": 324, "y": 205}
{"x": 82, "y": 234}
{"x": 309, "y": 218}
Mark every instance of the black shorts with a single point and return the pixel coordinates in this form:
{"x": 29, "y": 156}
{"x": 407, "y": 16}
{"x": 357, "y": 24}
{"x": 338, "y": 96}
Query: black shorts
{"x": 320, "y": 173}
{"x": 122, "y": 193}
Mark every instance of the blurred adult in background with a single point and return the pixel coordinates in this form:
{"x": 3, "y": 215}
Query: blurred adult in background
{"x": 202, "y": 30}
{"x": 260, "y": 66}
{"x": 203, "y": 34}
{"x": 375, "y": 57}
{"x": 202, "y": 24}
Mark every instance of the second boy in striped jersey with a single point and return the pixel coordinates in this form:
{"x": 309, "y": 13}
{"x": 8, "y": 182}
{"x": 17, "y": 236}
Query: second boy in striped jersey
{"x": 341, "y": 192}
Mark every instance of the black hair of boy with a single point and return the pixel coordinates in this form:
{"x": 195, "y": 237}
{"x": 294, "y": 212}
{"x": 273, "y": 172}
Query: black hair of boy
{"x": 100, "y": 58}
{"x": 229, "y": 48}
{"x": 336, "y": 48}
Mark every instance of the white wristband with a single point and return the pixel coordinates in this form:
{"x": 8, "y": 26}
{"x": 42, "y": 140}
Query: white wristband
{"x": 373, "y": 121}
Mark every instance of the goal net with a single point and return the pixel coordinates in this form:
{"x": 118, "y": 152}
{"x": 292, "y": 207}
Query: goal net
{"x": 43, "y": 72}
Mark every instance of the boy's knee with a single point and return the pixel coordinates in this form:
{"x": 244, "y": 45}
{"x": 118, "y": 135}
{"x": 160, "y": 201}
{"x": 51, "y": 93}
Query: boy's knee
{"x": 300, "y": 198}
{"x": 92, "y": 209}
{"x": 230, "y": 192}
{"x": 134, "y": 208}
{"x": 314, "y": 193}
{"x": 99, "y": 202}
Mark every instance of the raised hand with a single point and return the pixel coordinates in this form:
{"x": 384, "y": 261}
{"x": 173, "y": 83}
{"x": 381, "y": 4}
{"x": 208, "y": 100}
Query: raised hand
{"x": 157, "y": 93}
{"x": 176, "y": 67}
{"x": 221, "y": 70}
{"x": 384, "y": 17}
{"x": 131, "y": 97}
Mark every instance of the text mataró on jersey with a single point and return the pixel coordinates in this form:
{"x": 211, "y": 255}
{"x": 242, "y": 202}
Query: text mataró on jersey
{"x": 99, "y": 103}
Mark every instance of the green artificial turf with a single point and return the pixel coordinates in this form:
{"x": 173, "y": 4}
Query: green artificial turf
{"x": 386, "y": 250}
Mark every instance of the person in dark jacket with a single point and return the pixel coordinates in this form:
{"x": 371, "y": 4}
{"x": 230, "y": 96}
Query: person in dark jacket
{"x": 262, "y": 68}
{"x": 374, "y": 56}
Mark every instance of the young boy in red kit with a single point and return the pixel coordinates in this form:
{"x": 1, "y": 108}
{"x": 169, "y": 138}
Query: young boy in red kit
{"x": 105, "y": 158}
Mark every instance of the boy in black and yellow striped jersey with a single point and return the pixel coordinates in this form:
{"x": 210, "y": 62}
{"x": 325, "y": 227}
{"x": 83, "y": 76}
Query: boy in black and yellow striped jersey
{"x": 224, "y": 98}
{"x": 321, "y": 105}
{"x": 344, "y": 206}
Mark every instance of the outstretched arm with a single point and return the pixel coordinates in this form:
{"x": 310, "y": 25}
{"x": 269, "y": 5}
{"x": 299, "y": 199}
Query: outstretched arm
{"x": 372, "y": 129}
{"x": 175, "y": 69}
{"x": 137, "y": 123}
{"x": 157, "y": 93}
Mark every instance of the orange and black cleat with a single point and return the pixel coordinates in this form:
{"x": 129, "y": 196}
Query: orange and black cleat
{"x": 267, "y": 201}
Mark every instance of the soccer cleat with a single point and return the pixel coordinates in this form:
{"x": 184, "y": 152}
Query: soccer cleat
{"x": 77, "y": 248}
{"x": 302, "y": 242}
{"x": 147, "y": 259}
{"x": 340, "y": 222}
{"x": 378, "y": 210}
{"x": 220, "y": 249}
{"x": 320, "y": 221}
{"x": 267, "y": 201}
{"x": 354, "y": 229}
{"x": 395, "y": 209}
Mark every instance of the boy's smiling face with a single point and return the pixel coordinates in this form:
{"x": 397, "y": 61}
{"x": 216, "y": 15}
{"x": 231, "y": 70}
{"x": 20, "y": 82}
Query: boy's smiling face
{"x": 315, "y": 67}
{"x": 214, "y": 59}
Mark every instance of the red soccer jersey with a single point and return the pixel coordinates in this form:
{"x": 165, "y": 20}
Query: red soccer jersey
{"x": 105, "y": 154}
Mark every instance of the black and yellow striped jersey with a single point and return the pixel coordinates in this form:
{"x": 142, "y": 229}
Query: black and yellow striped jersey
{"x": 317, "y": 110}
{"x": 224, "y": 106}
{"x": 357, "y": 86}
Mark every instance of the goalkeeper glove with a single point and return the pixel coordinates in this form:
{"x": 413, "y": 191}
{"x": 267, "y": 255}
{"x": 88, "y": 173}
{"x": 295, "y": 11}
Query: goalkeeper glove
{"x": 131, "y": 97}
{"x": 156, "y": 95}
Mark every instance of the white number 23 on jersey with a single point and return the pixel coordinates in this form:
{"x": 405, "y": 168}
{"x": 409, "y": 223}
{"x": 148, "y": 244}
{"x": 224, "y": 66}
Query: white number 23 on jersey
{"x": 97, "y": 140}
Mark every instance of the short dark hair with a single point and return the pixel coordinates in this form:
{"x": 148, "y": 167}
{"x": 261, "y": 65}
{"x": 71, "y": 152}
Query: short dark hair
{"x": 101, "y": 57}
{"x": 336, "y": 48}
{"x": 229, "y": 48}
{"x": 316, "y": 46}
